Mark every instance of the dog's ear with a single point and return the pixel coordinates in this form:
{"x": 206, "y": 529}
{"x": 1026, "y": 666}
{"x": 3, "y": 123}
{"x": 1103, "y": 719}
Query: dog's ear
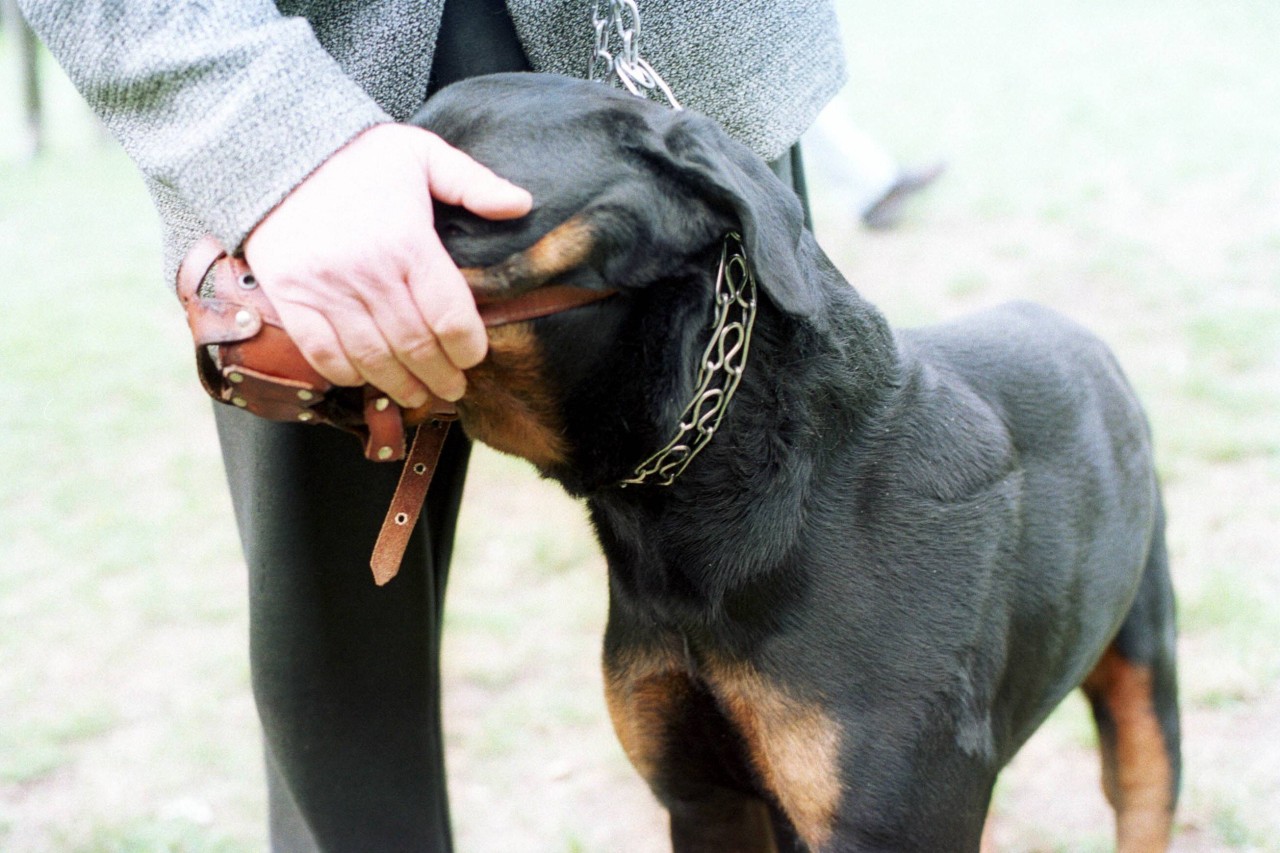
{"x": 731, "y": 176}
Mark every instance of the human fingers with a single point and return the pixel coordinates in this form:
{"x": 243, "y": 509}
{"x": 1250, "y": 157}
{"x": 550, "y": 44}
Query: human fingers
{"x": 376, "y": 362}
{"x": 343, "y": 245}
{"x": 358, "y": 327}
{"x": 414, "y": 342}
{"x": 446, "y": 304}
{"x": 318, "y": 343}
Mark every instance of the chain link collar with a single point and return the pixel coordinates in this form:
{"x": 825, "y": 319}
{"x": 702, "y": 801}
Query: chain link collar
{"x": 633, "y": 71}
{"x": 723, "y": 363}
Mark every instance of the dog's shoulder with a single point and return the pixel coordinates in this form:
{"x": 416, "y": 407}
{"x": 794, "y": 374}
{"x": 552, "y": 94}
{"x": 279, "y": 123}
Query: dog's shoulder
{"x": 1056, "y": 390}
{"x": 1021, "y": 353}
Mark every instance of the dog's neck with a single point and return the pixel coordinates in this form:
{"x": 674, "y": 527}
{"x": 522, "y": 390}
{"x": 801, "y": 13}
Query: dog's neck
{"x": 732, "y": 516}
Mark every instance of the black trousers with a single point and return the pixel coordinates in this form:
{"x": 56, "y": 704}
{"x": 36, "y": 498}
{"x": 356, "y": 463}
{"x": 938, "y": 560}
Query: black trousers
{"x": 346, "y": 674}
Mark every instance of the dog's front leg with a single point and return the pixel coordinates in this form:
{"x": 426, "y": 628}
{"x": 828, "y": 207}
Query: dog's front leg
{"x": 727, "y": 822}
{"x": 676, "y": 737}
{"x": 792, "y": 745}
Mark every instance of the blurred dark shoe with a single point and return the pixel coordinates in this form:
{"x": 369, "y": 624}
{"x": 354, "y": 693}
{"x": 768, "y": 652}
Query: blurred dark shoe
{"x": 887, "y": 212}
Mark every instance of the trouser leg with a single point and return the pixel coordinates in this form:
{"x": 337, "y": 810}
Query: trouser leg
{"x": 790, "y": 170}
{"x": 345, "y": 673}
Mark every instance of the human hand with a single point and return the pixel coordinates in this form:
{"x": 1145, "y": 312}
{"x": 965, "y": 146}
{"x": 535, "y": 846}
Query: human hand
{"x": 351, "y": 262}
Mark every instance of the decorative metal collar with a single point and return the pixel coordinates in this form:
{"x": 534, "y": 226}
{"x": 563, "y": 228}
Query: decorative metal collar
{"x": 721, "y": 370}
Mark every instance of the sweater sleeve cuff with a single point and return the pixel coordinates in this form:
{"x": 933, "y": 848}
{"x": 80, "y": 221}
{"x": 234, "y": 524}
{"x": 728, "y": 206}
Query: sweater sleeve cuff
{"x": 255, "y": 143}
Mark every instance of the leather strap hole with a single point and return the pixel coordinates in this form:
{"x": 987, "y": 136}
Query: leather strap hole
{"x": 402, "y": 518}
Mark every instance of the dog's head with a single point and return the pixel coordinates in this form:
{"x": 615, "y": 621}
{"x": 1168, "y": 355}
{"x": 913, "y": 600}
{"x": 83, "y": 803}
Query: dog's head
{"x": 628, "y": 196}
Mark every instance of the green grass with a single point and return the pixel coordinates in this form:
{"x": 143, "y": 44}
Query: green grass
{"x": 1116, "y": 161}
{"x": 125, "y": 685}
{"x": 171, "y": 835}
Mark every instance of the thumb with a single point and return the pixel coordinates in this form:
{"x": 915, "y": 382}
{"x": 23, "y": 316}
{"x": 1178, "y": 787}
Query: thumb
{"x": 454, "y": 178}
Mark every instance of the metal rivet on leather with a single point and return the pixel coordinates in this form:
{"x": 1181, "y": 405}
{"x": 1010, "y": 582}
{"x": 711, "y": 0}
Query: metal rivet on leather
{"x": 305, "y": 416}
{"x": 381, "y": 404}
{"x": 235, "y": 378}
{"x": 306, "y": 396}
{"x": 384, "y": 452}
{"x": 240, "y": 401}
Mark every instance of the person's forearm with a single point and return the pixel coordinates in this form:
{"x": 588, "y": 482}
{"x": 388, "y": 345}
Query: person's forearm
{"x": 229, "y": 103}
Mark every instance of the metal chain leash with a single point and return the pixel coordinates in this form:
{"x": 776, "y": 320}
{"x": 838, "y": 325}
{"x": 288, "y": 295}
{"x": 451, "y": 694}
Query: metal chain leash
{"x": 723, "y": 363}
{"x": 635, "y": 74}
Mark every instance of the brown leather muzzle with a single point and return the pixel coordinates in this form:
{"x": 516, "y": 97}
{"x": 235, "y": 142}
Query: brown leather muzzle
{"x": 245, "y": 358}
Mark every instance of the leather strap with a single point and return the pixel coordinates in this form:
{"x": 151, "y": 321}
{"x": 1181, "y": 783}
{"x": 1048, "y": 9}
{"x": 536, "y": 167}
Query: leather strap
{"x": 247, "y": 359}
{"x": 542, "y": 302}
{"x": 406, "y": 503}
{"x": 386, "y": 427}
{"x": 244, "y": 355}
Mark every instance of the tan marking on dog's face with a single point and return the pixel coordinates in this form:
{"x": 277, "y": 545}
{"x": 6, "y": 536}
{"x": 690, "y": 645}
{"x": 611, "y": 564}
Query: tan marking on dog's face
{"x": 508, "y": 404}
{"x": 566, "y": 246}
{"x": 793, "y": 745}
{"x": 1137, "y": 777}
{"x": 560, "y": 250}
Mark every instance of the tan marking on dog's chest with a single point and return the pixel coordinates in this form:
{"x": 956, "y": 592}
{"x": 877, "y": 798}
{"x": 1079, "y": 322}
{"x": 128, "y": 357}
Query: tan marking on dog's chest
{"x": 1138, "y": 777}
{"x": 793, "y": 745}
{"x": 509, "y": 405}
{"x": 644, "y": 695}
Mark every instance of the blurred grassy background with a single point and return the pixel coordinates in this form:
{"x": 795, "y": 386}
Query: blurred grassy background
{"x": 1116, "y": 161}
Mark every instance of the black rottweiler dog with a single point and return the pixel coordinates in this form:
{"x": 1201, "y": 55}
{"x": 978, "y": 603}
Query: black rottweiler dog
{"x": 851, "y": 568}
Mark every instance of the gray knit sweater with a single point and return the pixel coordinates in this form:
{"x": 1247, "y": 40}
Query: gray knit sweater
{"x": 227, "y": 105}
